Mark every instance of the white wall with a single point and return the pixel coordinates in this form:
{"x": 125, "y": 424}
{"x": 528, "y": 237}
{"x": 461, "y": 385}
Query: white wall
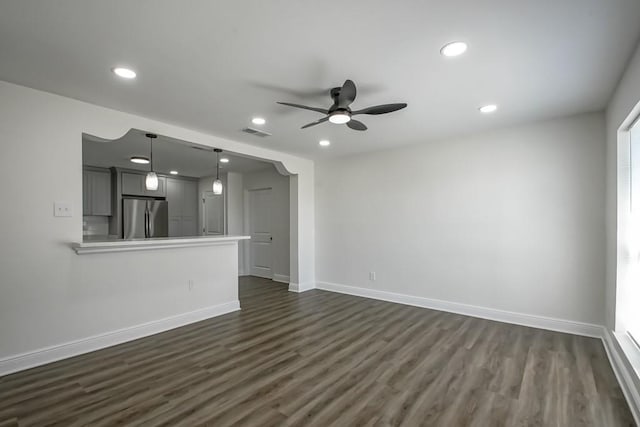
{"x": 280, "y": 221}
{"x": 510, "y": 220}
{"x": 48, "y": 294}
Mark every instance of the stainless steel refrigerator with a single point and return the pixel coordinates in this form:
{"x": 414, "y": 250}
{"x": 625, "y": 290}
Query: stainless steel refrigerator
{"x": 144, "y": 218}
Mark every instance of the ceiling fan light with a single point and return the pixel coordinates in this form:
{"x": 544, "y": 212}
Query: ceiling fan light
{"x": 339, "y": 118}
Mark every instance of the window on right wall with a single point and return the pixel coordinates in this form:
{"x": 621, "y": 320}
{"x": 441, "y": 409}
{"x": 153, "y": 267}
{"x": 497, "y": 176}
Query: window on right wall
{"x": 632, "y": 286}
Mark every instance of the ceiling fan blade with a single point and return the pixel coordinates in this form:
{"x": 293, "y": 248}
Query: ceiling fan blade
{"x": 347, "y": 94}
{"x": 317, "y": 122}
{"x": 356, "y": 125}
{"x": 381, "y": 109}
{"x": 319, "y": 110}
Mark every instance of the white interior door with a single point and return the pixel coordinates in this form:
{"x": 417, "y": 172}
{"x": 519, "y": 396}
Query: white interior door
{"x": 261, "y": 258}
{"x": 213, "y": 214}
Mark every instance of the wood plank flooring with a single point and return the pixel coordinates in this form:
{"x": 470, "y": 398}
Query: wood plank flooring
{"x": 321, "y": 359}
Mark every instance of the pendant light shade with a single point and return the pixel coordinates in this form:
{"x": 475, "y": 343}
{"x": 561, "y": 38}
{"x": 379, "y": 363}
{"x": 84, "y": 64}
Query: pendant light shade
{"x": 217, "y": 187}
{"x": 151, "y": 183}
{"x": 217, "y": 184}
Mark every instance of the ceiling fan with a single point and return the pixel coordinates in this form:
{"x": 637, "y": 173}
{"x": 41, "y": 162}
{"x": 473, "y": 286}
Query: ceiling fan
{"x": 340, "y": 113}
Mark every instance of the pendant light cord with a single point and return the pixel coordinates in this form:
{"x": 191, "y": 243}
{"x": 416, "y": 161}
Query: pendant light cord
{"x": 217, "y": 165}
{"x": 151, "y": 156}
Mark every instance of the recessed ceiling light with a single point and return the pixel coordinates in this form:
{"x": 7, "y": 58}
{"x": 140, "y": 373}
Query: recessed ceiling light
{"x": 324, "y": 143}
{"x": 486, "y": 109}
{"x": 125, "y": 73}
{"x": 258, "y": 121}
{"x": 173, "y": 172}
{"x": 224, "y": 160}
{"x": 140, "y": 160}
{"x": 454, "y": 49}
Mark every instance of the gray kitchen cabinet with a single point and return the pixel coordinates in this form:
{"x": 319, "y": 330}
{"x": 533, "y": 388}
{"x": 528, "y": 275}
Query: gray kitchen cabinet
{"x": 190, "y": 209}
{"x": 189, "y": 226}
{"x": 86, "y": 193}
{"x": 174, "y": 199}
{"x": 133, "y": 184}
{"x": 182, "y": 196}
{"x": 175, "y": 226}
{"x": 96, "y": 192}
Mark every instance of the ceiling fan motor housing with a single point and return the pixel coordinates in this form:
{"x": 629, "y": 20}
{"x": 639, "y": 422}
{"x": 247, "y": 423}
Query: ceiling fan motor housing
{"x": 335, "y": 95}
{"x": 340, "y": 112}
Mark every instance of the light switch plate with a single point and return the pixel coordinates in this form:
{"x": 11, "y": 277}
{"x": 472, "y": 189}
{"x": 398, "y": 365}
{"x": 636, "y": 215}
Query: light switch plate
{"x": 63, "y": 209}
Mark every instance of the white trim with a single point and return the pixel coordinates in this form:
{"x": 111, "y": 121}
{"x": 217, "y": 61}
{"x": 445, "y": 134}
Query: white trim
{"x": 62, "y": 351}
{"x": 560, "y": 325}
{"x": 280, "y": 278}
{"x": 623, "y": 372}
{"x": 299, "y": 288}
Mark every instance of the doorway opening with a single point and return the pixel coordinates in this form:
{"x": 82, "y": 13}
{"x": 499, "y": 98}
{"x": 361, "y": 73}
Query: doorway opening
{"x": 267, "y": 222}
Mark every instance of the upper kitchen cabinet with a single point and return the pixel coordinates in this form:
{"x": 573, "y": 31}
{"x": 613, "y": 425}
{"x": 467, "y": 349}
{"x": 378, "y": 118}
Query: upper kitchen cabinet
{"x": 96, "y": 192}
{"x": 133, "y": 185}
{"x": 182, "y": 195}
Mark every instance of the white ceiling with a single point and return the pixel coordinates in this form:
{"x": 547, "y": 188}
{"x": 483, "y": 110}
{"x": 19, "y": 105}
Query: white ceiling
{"x": 211, "y": 66}
{"x": 168, "y": 154}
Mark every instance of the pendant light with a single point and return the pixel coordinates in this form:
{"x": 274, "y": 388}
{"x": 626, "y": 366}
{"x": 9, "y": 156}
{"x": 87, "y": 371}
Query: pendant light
{"x": 151, "y": 183}
{"x": 217, "y": 184}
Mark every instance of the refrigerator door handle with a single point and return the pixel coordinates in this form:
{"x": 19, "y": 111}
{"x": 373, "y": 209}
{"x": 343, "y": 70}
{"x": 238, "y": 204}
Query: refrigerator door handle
{"x": 151, "y": 232}
{"x": 146, "y": 222}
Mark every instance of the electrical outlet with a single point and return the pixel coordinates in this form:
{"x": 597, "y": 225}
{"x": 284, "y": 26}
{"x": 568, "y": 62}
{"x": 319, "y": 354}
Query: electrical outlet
{"x": 62, "y": 209}
{"x": 372, "y": 276}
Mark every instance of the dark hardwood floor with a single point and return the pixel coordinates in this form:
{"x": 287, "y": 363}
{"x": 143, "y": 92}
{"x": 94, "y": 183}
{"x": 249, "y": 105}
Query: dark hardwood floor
{"x": 320, "y": 359}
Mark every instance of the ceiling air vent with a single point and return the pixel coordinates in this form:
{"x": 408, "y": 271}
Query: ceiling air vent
{"x": 197, "y": 147}
{"x": 255, "y": 132}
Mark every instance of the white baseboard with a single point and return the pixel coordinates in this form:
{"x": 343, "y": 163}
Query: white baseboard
{"x": 304, "y": 287}
{"x": 281, "y": 278}
{"x": 623, "y": 372}
{"x": 74, "y": 348}
{"x": 560, "y": 325}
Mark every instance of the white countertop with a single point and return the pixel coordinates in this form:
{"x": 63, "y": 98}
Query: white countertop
{"x": 107, "y": 244}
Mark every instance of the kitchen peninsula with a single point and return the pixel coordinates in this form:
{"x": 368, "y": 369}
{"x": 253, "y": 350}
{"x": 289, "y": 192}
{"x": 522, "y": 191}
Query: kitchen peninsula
{"x": 147, "y": 286}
